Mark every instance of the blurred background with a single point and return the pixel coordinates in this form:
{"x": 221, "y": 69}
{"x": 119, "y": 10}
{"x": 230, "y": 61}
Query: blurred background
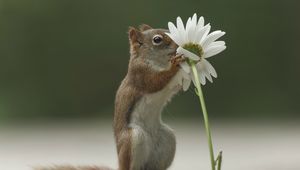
{"x": 61, "y": 62}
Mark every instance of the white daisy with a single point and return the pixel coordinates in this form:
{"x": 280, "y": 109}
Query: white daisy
{"x": 196, "y": 44}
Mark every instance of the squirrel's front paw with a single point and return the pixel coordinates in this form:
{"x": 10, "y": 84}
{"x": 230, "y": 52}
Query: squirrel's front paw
{"x": 177, "y": 60}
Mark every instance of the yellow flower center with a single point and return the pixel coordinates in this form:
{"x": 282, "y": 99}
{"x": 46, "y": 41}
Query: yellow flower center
{"x": 194, "y": 48}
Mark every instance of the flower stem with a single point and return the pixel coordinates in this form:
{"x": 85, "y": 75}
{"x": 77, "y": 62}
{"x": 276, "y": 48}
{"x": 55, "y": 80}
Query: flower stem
{"x": 205, "y": 115}
{"x": 219, "y": 161}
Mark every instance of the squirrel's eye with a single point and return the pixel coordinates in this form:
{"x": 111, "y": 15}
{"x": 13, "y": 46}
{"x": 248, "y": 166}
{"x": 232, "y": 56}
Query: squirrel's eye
{"x": 157, "y": 39}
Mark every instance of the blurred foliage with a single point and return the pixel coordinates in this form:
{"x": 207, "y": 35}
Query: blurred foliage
{"x": 66, "y": 58}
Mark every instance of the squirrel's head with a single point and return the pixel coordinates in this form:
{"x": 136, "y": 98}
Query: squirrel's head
{"x": 152, "y": 45}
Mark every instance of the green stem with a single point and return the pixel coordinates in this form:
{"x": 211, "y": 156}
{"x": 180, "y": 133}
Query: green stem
{"x": 205, "y": 115}
{"x": 219, "y": 159}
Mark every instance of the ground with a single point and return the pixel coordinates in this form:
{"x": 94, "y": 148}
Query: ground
{"x": 246, "y": 145}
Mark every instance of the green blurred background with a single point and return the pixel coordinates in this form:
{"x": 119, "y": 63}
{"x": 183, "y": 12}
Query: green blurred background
{"x": 66, "y": 58}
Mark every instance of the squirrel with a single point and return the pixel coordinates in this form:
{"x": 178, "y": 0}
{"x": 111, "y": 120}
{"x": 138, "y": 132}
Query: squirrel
{"x": 143, "y": 141}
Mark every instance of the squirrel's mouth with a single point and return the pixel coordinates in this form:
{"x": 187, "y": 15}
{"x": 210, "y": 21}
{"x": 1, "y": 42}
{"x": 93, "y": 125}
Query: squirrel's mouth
{"x": 173, "y": 53}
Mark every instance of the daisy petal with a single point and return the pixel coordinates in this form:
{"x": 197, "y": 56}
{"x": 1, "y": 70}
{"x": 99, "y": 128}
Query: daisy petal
{"x": 186, "y": 84}
{"x": 199, "y": 33}
{"x": 205, "y": 33}
{"x": 189, "y": 30}
{"x": 204, "y": 68}
{"x": 202, "y": 78}
{"x": 210, "y": 68}
{"x": 176, "y": 39}
{"x": 194, "y": 22}
{"x": 201, "y": 71}
{"x": 192, "y": 30}
{"x": 172, "y": 28}
{"x": 184, "y": 74}
{"x": 211, "y": 38}
{"x": 213, "y": 47}
{"x": 174, "y": 35}
{"x": 200, "y": 23}
{"x": 187, "y": 53}
{"x": 188, "y": 24}
{"x": 213, "y": 51}
{"x": 216, "y": 43}
{"x": 194, "y": 18}
{"x": 207, "y": 74}
{"x": 180, "y": 28}
{"x": 185, "y": 67}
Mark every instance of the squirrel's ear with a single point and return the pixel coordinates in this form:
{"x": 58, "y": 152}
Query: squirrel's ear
{"x": 145, "y": 27}
{"x": 135, "y": 36}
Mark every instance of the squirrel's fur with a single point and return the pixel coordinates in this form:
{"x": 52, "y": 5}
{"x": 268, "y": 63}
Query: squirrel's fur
{"x": 143, "y": 141}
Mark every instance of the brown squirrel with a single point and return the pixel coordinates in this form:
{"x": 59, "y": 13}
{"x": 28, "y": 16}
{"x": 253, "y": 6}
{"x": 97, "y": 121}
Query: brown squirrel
{"x": 143, "y": 141}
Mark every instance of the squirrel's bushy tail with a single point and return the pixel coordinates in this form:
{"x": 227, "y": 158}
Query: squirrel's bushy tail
{"x": 68, "y": 167}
